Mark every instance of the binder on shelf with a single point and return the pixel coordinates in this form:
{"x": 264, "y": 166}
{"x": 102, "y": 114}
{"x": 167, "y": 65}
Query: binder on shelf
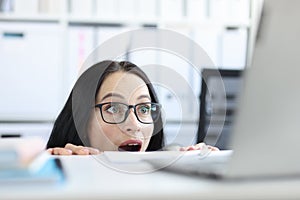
{"x": 209, "y": 40}
{"x": 171, "y": 9}
{"x": 104, "y": 34}
{"x": 6, "y": 6}
{"x": 196, "y": 10}
{"x": 81, "y": 8}
{"x": 26, "y": 7}
{"x": 128, "y": 9}
{"x": 229, "y": 10}
{"x": 234, "y": 48}
{"x": 239, "y": 10}
{"x": 31, "y": 74}
{"x": 219, "y": 9}
{"x": 80, "y": 44}
{"x": 107, "y": 9}
{"x": 147, "y": 9}
{"x": 50, "y": 6}
{"x": 175, "y": 91}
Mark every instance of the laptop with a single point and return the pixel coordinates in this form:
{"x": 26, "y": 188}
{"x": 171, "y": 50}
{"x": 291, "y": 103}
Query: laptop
{"x": 266, "y": 130}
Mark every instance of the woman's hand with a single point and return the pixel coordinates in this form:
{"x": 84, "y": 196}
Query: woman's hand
{"x": 199, "y": 146}
{"x": 71, "y": 149}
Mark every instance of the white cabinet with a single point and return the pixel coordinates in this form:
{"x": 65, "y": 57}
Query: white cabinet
{"x": 41, "y": 130}
{"x": 31, "y": 76}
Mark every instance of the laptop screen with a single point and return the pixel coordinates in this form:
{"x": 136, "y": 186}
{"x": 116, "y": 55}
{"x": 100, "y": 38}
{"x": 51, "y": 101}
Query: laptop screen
{"x": 266, "y": 131}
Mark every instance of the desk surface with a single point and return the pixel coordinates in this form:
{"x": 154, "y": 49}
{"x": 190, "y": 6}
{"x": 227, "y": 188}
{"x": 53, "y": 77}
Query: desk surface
{"x": 87, "y": 178}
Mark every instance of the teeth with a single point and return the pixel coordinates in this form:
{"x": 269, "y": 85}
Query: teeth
{"x": 134, "y": 144}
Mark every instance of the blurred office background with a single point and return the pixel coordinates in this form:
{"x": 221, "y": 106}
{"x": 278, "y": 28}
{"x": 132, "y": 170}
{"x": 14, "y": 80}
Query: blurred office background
{"x": 43, "y": 44}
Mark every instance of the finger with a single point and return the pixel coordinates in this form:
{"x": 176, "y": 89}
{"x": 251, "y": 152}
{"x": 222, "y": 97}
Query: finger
{"x": 182, "y": 149}
{"x": 61, "y": 151}
{"x": 200, "y": 145}
{"x": 213, "y": 148}
{"x": 81, "y": 150}
{"x": 77, "y": 150}
{"x": 188, "y": 148}
{"x": 50, "y": 151}
{"x": 93, "y": 151}
{"x": 191, "y": 148}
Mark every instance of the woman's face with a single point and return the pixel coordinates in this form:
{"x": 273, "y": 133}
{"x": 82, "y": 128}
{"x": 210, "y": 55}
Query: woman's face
{"x": 130, "y": 135}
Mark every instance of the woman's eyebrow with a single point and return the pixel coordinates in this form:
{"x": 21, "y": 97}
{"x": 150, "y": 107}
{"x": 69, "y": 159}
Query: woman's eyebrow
{"x": 144, "y": 96}
{"x": 112, "y": 95}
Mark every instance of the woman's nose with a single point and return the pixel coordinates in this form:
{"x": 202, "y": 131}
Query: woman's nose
{"x": 132, "y": 124}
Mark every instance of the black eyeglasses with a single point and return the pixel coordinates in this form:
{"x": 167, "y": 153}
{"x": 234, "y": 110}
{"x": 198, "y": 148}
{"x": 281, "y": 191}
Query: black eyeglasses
{"x": 116, "y": 113}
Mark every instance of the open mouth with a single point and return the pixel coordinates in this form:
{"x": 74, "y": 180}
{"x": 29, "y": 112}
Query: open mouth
{"x": 130, "y": 146}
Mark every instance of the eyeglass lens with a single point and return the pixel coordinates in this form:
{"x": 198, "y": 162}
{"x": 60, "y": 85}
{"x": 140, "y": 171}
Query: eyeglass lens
{"x": 118, "y": 112}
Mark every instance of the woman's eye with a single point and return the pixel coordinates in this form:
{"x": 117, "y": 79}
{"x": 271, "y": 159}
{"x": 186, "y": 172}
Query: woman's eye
{"x": 113, "y": 109}
{"x": 144, "y": 109}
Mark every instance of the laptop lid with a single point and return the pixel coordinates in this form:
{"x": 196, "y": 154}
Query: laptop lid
{"x": 266, "y": 133}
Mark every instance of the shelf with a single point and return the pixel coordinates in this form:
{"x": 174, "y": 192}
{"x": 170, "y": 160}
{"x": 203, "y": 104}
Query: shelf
{"x": 30, "y": 18}
{"x": 95, "y": 21}
{"x": 104, "y": 21}
{"x": 186, "y": 22}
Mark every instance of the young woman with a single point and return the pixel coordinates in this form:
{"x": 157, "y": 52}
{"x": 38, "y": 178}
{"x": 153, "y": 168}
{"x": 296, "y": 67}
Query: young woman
{"x": 112, "y": 107}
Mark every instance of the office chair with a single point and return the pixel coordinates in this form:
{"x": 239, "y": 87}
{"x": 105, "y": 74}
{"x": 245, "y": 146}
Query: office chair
{"x": 215, "y": 119}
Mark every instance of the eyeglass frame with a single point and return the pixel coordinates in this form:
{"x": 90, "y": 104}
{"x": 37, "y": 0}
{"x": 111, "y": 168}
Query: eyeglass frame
{"x": 127, "y": 112}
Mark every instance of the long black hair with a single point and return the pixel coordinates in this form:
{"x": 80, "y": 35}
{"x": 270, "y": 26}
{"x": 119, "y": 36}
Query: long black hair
{"x": 71, "y": 124}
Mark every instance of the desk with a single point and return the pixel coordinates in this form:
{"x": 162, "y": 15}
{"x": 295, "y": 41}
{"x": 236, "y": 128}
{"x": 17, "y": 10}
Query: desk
{"x": 89, "y": 179}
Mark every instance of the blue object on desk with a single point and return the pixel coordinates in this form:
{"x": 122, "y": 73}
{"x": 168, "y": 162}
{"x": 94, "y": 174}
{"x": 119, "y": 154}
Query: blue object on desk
{"x": 50, "y": 172}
